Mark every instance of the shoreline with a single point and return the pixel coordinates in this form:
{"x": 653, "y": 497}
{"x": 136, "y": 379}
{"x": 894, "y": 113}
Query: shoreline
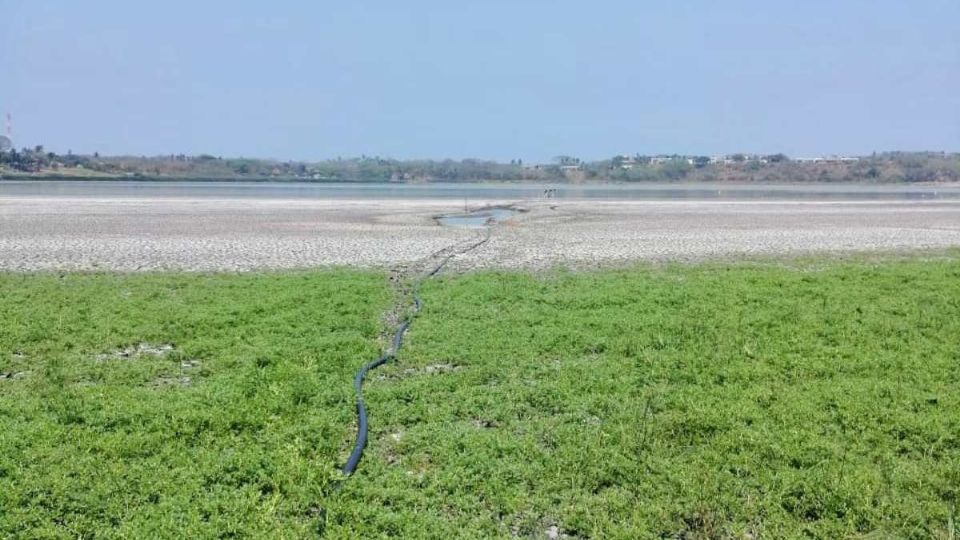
{"x": 563, "y": 182}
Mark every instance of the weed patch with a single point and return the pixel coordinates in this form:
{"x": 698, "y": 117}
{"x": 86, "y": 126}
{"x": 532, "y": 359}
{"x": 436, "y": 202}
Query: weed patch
{"x": 709, "y": 401}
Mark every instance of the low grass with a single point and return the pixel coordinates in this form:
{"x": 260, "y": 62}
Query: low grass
{"x": 235, "y": 432}
{"x": 820, "y": 400}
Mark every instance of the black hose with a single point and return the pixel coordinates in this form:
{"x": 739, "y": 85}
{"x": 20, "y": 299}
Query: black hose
{"x": 391, "y": 353}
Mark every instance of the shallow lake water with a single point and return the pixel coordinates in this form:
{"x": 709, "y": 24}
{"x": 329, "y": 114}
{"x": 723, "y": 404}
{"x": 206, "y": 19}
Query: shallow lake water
{"x": 478, "y": 218}
{"x": 471, "y": 192}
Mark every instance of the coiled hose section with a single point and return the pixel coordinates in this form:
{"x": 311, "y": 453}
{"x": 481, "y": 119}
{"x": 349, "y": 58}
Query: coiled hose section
{"x": 391, "y": 352}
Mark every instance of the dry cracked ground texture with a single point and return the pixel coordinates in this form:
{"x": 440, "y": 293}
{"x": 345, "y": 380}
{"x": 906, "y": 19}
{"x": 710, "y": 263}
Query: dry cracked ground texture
{"x": 201, "y": 235}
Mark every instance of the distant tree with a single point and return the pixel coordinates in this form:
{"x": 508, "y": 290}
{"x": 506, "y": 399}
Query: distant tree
{"x": 892, "y": 166}
{"x": 676, "y": 169}
{"x": 567, "y": 160}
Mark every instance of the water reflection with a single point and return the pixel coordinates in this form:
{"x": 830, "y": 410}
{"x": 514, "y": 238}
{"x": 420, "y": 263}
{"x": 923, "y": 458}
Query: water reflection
{"x": 513, "y": 191}
{"x": 478, "y": 218}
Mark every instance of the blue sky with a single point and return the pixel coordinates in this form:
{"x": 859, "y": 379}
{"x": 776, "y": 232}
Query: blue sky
{"x": 494, "y": 79}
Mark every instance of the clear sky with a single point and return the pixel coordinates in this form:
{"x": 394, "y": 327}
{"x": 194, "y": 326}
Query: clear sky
{"x": 494, "y": 79}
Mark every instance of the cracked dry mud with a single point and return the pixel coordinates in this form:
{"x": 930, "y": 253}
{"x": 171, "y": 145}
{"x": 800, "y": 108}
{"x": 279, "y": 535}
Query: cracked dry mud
{"x": 58, "y": 233}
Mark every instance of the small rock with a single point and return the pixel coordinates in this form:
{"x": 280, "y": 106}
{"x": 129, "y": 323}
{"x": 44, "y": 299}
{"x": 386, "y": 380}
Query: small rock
{"x": 553, "y": 532}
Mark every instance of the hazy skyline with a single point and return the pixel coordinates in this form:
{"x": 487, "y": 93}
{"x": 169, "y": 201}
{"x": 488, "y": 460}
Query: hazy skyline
{"x": 498, "y": 80}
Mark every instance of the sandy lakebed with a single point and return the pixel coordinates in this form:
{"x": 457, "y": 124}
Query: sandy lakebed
{"x": 209, "y": 234}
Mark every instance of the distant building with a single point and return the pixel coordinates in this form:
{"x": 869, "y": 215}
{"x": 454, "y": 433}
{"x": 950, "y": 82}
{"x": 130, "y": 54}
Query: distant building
{"x": 625, "y": 162}
{"x": 731, "y": 159}
{"x": 828, "y": 159}
{"x": 660, "y": 159}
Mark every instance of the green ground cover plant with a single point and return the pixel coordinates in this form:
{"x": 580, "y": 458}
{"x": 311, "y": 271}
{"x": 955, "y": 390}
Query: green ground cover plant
{"x": 816, "y": 399}
{"x": 235, "y": 432}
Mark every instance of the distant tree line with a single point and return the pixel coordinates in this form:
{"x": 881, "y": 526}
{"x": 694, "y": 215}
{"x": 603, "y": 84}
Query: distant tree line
{"x": 876, "y": 168}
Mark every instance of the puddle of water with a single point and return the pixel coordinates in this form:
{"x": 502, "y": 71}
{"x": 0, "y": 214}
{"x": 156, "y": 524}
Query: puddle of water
{"x": 478, "y": 218}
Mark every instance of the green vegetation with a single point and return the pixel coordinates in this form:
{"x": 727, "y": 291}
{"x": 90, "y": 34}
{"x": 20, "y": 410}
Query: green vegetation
{"x": 236, "y": 431}
{"x": 818, "y": 399}
{"x": 877, "y": 168}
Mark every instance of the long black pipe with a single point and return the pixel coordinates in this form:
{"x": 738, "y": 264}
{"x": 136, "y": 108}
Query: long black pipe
{"x": 391, "y": 353}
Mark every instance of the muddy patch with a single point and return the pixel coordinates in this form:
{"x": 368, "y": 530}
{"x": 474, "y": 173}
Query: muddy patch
{"x": 483, "y": 423}
{"x": 390, "y": 451}
{"x": 440, "y": 368}
{"x": 139, "y": 350}
{"x": 182, "y": 379}
{"x": 478, "y": 218}
{"x": 157, "y": 351}
{"x": 432, "y": 369}
{"x": 527, "y": 525}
